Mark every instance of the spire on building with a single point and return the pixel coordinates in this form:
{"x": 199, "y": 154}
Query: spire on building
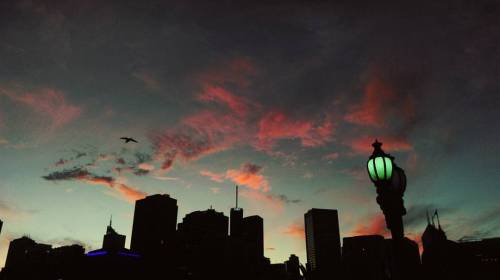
{"x": 236, "y": 196}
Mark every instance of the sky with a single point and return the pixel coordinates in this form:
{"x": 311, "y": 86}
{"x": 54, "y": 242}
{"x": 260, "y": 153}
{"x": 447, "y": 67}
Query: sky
{"x": 282, "y": 98}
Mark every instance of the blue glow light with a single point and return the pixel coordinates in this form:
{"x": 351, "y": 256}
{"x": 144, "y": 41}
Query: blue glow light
{"x": 129, "y": 254}
{"x": 97, "y": 253}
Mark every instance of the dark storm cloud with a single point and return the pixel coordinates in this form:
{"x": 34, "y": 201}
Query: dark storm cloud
{"x": 81, "y": 174}
{"x": 67, "y": 174}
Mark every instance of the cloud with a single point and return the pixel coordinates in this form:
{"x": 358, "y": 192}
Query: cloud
{"x": 60, "y": 162}
{"x": 217, "y": 94}
{"x": 363, "y": 145}
{"x": 331, "y": 156}
{"x": 11, "y": 211}
{"x": 274, "y": 201}
{"x": 248, "y": 176}
{"x": 80, "y": 174}
{"x": 215, "y": 190}
{"x": 148, "y": 79}
{"x": 380, "y": 104}
{"x": 48, "y": 102}
{"x": 276, "y": 125}
{"x": 213, "y": 176}
{"x": 296, "y": 230}
{"x": 375, "y": 224}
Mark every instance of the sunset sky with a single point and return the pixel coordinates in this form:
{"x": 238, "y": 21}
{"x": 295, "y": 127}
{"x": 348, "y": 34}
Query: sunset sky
{"x": 283, "y": 99}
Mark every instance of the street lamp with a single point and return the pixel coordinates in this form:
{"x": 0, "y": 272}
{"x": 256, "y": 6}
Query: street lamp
{"x": 390, "y": 182}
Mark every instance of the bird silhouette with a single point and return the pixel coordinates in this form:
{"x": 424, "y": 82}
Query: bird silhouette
{"x": 128, "y": 139}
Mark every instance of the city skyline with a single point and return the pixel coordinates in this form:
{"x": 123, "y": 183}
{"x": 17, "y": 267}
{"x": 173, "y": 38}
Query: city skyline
{"x": 282, "y": 99}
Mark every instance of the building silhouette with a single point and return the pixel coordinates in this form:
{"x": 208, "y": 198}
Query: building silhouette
{"x": 154, "y": 226}
{"x": 253, "y": 235}
{"x": 236, "y": 219}
{"x": 1, "y": 224}
{"x": 364, "y": 258}
{"x": 323, "y": 243}
{"x": 442, "y": 258}
{"x": 27, "y": 259}
{"x": 201, "y": 248}
{"x": 292, "y": 266}
{"x": 203, "y": 235}
{"x": 113, "y": 241}
{"x": 483, "y": 256}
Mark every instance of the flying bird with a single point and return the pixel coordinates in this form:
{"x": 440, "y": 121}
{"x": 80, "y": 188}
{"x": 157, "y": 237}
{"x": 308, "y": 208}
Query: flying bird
{"x": 128, "y": 139}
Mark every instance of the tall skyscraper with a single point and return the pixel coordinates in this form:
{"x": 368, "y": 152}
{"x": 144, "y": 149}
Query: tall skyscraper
{"x": 236, "y": 219}
{"x": 323, "y": 243}
{"x": 253, "y": 235}
{"x": 155, "y": 221}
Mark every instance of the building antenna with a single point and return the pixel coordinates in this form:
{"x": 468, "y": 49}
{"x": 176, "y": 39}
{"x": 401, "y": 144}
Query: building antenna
{"x": 437, "y": 216}
{"x": 428, "y": 219}
{"x": 111, "y": 220}
{"x": 236, "y": 196}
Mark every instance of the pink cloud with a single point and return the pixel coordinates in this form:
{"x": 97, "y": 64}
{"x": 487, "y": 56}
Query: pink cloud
{"x": 380, "y": 102}
{"x": 211, "y": 93}
{"x": 248, "y": 176}
{"x": 276, "y": 125}
{"x": 47, "y": 102}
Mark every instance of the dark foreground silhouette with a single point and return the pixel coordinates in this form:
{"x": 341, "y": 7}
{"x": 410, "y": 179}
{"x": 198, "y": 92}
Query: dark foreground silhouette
{"x": 200, "y": 248}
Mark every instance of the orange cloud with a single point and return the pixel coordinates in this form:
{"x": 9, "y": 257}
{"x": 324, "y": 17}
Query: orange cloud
{"x": 77, "y": 173}
{"x": 376, "y": 225}
{"x": 248, "y": 176}
{"x": 129, "y": 193}
{"x": 213, "y": 176}
{"x": 296, "y": 230}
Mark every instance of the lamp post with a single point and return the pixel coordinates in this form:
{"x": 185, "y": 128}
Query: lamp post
{"x": 390, "y": 182}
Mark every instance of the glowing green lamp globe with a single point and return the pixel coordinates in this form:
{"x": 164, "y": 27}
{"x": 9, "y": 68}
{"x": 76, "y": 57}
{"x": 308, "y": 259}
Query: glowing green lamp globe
{"x": 380, "y": 168}
{"x": 380, "y": 165}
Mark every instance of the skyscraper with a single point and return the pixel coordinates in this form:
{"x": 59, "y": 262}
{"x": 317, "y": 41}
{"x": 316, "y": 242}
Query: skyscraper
{"x": 236, "y": 219}
{"x": 323, "y": 243}
{"x": 155, "y": 220}
{"x": 253, "y": 235}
